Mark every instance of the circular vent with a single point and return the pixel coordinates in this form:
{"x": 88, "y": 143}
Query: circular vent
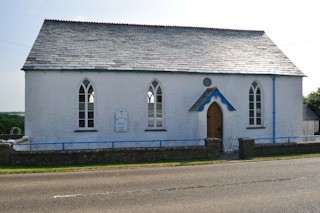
{"x": 207, "y": 82}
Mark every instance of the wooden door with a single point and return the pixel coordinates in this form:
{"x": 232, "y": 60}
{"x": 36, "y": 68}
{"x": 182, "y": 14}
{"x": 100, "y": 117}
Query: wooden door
{"x": 214, "y": 121}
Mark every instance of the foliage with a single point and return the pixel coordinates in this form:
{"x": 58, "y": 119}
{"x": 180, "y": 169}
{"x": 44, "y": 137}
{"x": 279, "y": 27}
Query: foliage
{"x": 313, "y": 102}
{"x": 7, "y": 121}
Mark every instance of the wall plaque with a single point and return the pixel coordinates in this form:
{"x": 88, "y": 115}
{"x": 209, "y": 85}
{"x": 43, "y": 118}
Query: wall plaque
{"x": 121, "y": 121}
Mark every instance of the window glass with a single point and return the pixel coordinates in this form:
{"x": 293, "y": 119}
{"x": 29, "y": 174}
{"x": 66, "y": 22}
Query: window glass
{"x": 254, "y": 84}
{"x": 251, "y": 91}
{"x": 81, "y": 115}
{"x": 81, "y": 123}
{"x": 251, "y": 121}
{"x": 82, "y": 106}
{"x": 90, "y": 123}
{"x": 90, "y": 106}
{"x": 90, "y": 114}
{"x": 159, "y": 98}
{"x": 159, "y": 92}
{"x": 82, "y": 98}
{"x": 151, "y": 107}
{"x": 150, "y": 95}
{"x": 255, "y": 107}
{"x": 86, "y": 105}
{"x": 258, "y": 113}
{"x": 251, "y": 105}
{"x": 91, "y": 98}
{"x": 155, "y": 114}
{"x": 81, "y": 90}
{"x": 159, "y": 122}
{"x": 258, "y": 121}
{"x": 90, "y": 90}
{"x": 154, "y": 83}
{"x": 258, "y": 106}
{"x": 258, "y": 91}
{"x": 159, "y": 107}
{"x": 86, "y": 83}
{"x": 150, "y": 122}
{"x": 258, "y": 97}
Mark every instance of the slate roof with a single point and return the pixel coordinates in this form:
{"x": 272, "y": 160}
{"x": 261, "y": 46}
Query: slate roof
{"x": 75, "y": 46}
{"x": 308, "y": 114}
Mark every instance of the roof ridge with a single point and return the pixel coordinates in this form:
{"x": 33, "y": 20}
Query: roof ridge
{"x": 148, "y": 25}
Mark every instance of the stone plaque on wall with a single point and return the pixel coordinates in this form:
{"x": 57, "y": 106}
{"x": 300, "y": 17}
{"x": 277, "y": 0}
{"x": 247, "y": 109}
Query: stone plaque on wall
{"x": 121, "y": 121}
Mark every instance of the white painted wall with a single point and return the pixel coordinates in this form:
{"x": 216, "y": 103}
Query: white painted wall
{"x": 310, "y": 127}
{"x": 52, "y": 100}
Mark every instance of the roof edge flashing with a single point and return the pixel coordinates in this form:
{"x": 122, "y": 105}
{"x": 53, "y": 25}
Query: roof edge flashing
{"x": 159, "y": 71}
{"x": 206, "y": 99}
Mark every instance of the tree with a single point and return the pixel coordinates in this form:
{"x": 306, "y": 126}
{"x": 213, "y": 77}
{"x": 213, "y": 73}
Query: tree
{"x": 8, "y": 121}
{"x": 313, "y": 102}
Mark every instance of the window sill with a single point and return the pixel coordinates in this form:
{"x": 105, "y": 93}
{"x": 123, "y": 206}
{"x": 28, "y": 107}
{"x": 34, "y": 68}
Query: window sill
{"x": 155, "y": 130}
{"x": 86, "y": 130}
{"x": 256, "y": 127}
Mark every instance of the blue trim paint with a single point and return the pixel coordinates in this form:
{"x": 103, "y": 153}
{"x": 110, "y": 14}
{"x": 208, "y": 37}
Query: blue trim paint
{"x": 157, "y": 71}
{"x": 274, "y": 107}
{"x": 216, "y": 93}
{"x": 112, "y": 142}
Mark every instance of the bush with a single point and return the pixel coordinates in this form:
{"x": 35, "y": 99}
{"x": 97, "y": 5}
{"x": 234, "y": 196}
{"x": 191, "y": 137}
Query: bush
{"x": 7, "y": 121}
{"x": 313, "y": 102}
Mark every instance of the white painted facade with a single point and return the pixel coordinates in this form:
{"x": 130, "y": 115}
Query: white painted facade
{"x": 52, "y": 105}
{"x": 310, "y": 127}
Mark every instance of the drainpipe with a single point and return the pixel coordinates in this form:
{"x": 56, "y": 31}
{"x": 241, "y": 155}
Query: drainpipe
{"x": 274, "y": 108}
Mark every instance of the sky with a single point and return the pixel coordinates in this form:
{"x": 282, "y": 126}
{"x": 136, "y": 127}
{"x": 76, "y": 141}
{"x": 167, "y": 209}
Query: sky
{"x": 293, "y": 25}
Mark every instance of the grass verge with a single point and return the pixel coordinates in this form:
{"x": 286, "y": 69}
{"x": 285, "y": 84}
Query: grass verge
{"x": 41, "y": 169}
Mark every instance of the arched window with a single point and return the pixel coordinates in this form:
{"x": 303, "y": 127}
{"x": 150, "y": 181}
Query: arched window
{"x": 155, "y": 113}
{"x": 255, "y": 106}
{"x": 86, "y": 105}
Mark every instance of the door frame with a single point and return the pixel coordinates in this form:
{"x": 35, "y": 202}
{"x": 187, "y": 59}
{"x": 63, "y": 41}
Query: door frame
{"x": 217, "y": 114}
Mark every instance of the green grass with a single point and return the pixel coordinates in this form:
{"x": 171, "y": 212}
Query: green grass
{"x": 72, "y": 168}
{"x": 41, "y": 169}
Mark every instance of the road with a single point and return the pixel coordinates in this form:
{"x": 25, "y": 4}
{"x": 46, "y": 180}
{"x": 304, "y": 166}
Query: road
{"x": 270, "y": 186}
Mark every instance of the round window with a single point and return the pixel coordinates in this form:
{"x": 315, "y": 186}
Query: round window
{"x": 207, "y": 82}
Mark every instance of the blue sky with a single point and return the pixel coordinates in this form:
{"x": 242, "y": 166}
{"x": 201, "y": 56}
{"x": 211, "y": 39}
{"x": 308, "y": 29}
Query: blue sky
{"x": 293, "y": 25}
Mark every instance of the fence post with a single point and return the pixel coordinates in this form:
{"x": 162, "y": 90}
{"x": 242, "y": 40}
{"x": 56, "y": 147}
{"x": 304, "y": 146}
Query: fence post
{"x": 213, "y": 147}
{"x": 5, "y": 155}
{"x": 246, "y": 148}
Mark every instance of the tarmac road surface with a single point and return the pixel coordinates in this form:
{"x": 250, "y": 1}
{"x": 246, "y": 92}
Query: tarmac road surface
{"x": 270, "y": 186}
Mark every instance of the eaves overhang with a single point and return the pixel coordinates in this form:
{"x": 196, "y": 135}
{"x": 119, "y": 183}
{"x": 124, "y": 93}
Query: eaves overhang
{"x": 159, "y": 71}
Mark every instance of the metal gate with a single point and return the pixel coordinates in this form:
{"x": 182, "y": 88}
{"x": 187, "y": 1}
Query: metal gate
{"x": 230, "y": 149}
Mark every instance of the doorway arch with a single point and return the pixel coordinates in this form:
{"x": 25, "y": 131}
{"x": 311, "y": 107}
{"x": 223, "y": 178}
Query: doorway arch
{"x": 214, "y": 121}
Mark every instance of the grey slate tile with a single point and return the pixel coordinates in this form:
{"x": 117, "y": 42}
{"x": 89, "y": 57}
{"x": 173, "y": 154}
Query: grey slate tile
{"x": 115, "y": 46}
